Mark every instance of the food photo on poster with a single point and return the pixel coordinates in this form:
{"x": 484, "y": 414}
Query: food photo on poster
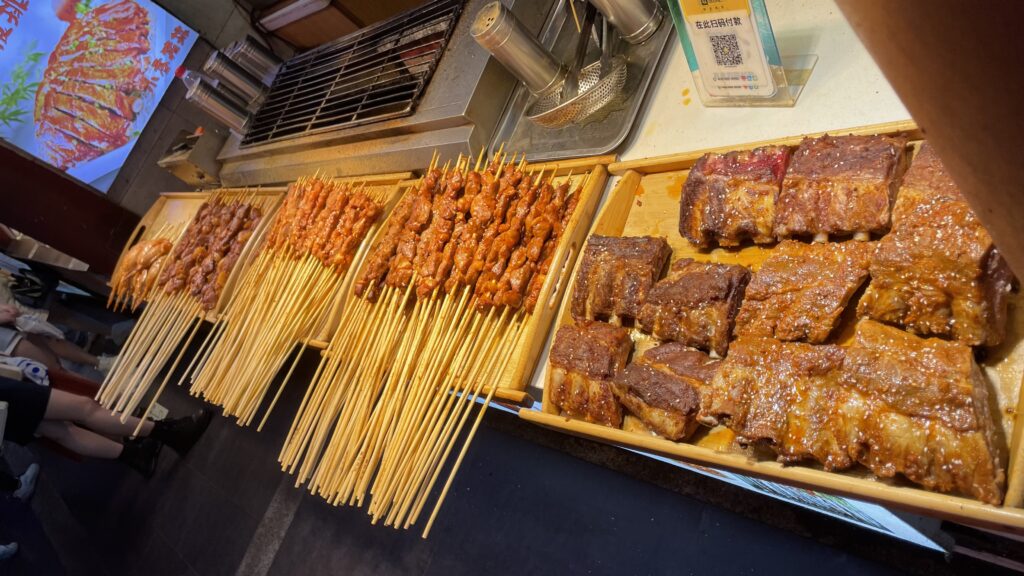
{"x": 80, "y": 79}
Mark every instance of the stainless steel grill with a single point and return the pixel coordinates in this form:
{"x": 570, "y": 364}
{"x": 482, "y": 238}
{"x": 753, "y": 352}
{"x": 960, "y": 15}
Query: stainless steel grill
{"x": 374, "y": 74}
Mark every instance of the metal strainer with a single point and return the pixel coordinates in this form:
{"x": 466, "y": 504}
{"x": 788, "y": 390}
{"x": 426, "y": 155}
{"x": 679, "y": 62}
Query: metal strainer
{"x": 595, "y": 93}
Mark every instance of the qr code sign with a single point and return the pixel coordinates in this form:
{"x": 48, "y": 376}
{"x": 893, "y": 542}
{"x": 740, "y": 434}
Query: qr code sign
{"x": 727, "y": 50}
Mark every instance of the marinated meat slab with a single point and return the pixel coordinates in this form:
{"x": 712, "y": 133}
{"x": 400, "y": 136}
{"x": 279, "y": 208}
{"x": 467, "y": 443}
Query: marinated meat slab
{"x": 801, "y": 289}
{"x": 663, "y": 388}
{"x": 938, "y": 271}
{"x": 616, "y": 274}
{"x": 731, "y": 197}
{"x": 929, "y": 417}
{"x": 689, "y": 365}
{"x": 840, "y": 185}
{"x": 892, "y": 401}
{"x": 666, "y": 404}
{"x": 584, "y": 359}
{"x": 696, "y": 304}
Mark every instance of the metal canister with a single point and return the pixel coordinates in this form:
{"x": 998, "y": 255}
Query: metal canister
{"x": 505, "y": 37}
{"x": 216, "y": 103}
{"x": 241, "y": 81}
{"x": 253, "y": 56}
{"x": 636, "y": 20}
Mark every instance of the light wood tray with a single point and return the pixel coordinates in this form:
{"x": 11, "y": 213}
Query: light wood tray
{"x": 516, "y": 377}
{"x": 645, "y": 201}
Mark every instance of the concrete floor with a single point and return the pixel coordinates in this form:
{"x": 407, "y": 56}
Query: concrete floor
{"x": 520, "y": 505}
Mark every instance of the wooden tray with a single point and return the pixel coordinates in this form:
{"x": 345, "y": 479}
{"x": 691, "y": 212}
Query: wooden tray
{"x": 645, "y": 201}
{"x": 179, "y": 208}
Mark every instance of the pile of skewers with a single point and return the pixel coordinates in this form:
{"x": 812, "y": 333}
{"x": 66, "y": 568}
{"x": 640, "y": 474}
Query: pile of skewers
{"x": 305, "y": 262}
{"x": 436, "y": 312}
{"x": 189, "y": 285}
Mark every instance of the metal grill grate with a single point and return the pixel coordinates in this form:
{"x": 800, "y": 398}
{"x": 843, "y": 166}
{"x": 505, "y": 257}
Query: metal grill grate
{"x": 374, "y": 74}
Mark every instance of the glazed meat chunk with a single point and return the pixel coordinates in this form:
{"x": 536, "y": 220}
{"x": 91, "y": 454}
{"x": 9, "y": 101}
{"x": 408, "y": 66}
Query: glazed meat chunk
{"x": 687, "y": 366}
{"x": 840, "y": 185}
{"x": 801, "y": 289}
{"x": 584, "y": 359}
{"x": 938, "y": 271}
{"x": 696, "y": 304}
{"x": 729, "y": 198}
{"x": 615, "y": 275}
{"x": 929, "y": 418}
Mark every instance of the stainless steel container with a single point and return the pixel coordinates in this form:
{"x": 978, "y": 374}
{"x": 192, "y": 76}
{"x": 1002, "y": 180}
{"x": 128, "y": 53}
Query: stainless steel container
{"x": 636, "y": 20}
{"x": 219, "y": 66}
{"x": 216, "y": 103}
{"x": 255, "y": 58}
{"x": 501, "y": 34}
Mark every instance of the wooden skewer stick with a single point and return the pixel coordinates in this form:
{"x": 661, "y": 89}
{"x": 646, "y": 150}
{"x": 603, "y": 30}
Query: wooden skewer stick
{"x": 462, "y": 454}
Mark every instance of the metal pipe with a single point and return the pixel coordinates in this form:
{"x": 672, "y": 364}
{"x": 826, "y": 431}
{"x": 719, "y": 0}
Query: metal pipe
{"x": 216, "y": 103}
{"x": 241, "y": 81}
{"x": 505, "y": 37}
{"x": 636, "y": 20}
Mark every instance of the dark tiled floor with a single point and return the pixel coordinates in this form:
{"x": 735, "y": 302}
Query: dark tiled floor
{"x": 520, "y": 505}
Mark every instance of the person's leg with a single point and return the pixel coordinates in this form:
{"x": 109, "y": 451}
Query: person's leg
{"x": 79, "y": 440}
{"x": 180, "y": 434}
{"x": 85, "y": 411}
{"x": 139, "y": 454}
{"x": 64, "y": 349}
{"x": 28, "y": 349}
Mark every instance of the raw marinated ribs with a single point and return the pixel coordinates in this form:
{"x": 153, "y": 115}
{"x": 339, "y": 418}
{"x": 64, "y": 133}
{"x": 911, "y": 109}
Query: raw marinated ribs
{"x": 840, "y": 185}
{"x": 801, "y": 289}
{"x": 663, "y": 388}
{"x": 892, "y": 401}
{"x": 731, "y": 197}
{"x": 584, "y": 359}
{"x": 616, "y": 274}
{"x": 696, "y": 304}
{"x": 938, "y": 271}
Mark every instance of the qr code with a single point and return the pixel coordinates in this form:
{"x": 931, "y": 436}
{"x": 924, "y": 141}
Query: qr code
{"x": 727, "y": 50}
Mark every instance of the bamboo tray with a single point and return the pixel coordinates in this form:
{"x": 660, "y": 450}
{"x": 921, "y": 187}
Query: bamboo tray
{"x": 645, "y": 201}
{"x": 177, "y": 209}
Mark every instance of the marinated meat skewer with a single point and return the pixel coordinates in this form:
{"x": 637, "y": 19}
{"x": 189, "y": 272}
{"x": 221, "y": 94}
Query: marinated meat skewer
{"x": 508, "y": 190}
{"x": 482, "y": 209}
{"x": 510, "y": 234}
{"x": 447, "y": 274}
{"x": 401, "y": 269}
{"x": 370, "y": 281}
{"x": 566, "y": 207}
{"x": 432, "y": 243}
{"x": 522, "y": 264}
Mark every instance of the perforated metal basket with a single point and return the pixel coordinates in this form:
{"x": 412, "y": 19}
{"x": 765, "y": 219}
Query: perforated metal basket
{"x": 595, "y": 93}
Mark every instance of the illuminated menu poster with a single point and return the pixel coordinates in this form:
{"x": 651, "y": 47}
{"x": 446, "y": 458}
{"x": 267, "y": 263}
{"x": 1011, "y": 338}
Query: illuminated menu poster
{"x": 80, "y": 79}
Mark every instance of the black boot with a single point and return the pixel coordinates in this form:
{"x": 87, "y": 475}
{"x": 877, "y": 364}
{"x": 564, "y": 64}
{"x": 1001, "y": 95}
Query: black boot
{"x": 142, "y": 454}
{"x": 181, "y": 434}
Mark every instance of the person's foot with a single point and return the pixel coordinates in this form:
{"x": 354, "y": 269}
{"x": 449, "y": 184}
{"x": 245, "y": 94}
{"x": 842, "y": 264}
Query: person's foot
{"x": 181, "y": 434}
{"x": 8, "y": 550}
{"x": 142, "y": 455}
{"x": 27, "y": 480}
{"x": 105, "y": 363}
